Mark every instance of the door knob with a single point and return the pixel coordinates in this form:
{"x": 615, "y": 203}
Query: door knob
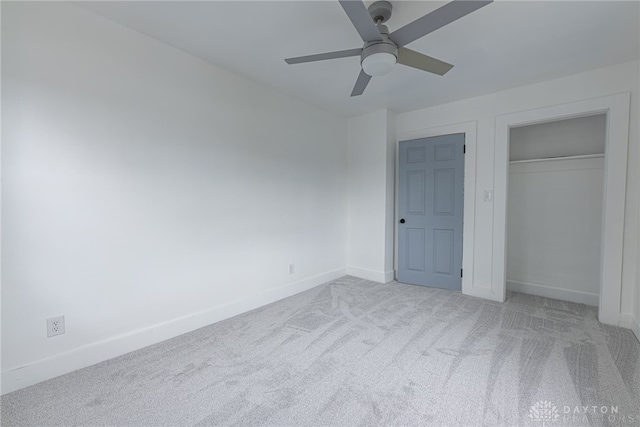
{"x": 402, "y": 221}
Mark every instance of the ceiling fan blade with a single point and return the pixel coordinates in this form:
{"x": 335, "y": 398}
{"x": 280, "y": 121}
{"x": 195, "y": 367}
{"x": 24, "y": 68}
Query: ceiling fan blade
{"x": 360, "y": 18}
{"x": 414, "y": 59}
{"x": 323, "y": 56}
{"x": 437, "y": 19}
{"x": 361, "y": 83}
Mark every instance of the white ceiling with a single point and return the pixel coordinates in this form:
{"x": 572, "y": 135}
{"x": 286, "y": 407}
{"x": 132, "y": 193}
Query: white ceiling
{"x": 503, "y": 45}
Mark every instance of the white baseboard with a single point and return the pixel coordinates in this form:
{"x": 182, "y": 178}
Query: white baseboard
{"x": 553, "y": 292}
{"x": 33, "y": 373}
{"x": 373, "y": 275}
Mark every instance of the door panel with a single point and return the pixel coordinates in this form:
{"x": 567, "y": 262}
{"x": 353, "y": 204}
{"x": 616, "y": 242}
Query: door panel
{"x": 416, "y": 192}
{"x": 430, "y": 201}
{"x": 416, "y": 154}
{"x": 416, "y": 257}
{"x": 443, "y": 194}
{"x": 443, "y": 259}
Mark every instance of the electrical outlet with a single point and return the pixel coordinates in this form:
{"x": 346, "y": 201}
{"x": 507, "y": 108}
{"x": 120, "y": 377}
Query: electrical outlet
{"x": 291, "y": 268}
{"x": 55, "y": 326}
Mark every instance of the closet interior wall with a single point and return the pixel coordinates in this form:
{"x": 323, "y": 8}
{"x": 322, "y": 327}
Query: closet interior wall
{"x": 555, "y": 199}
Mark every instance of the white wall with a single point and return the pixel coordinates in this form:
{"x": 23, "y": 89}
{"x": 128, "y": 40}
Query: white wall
{"x": 485, "y": 109}
{"x": 371, "y": 196}
{"x": 571, "y": 137}
{"x": 146, "y": 193}
{"x": 554, "y": 228}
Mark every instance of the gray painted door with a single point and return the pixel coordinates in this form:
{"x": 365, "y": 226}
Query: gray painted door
{"x": 431, "y": 184}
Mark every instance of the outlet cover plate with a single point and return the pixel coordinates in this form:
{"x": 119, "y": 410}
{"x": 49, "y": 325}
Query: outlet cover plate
{"x": 55, "y": 326}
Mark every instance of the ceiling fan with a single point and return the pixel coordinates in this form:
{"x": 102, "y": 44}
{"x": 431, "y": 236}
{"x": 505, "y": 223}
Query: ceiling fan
{"x": 382, "y": 50}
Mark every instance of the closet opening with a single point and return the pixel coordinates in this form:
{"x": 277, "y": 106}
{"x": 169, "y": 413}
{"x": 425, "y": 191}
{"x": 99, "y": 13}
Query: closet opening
{"x": 555, "y": 208}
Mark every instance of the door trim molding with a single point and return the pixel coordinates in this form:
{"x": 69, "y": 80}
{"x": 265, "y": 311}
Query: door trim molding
{"x": 616, "y": 107}
{"x": 469, "y": 129}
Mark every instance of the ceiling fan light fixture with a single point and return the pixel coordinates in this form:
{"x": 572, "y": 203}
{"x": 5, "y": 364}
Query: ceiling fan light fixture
{"x": 379, "y": 63}
{"x": 382, "y": 49}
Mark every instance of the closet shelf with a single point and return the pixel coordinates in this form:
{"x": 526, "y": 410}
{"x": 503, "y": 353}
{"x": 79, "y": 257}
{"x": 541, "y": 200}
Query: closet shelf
{"x": 548, "y": 159}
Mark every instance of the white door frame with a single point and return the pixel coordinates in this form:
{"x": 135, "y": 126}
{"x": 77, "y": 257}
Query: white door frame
{"x": 470, "y": 131}
{"x": 616, "y": 108}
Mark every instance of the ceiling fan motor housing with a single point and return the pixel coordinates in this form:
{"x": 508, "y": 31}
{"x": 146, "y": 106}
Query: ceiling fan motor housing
{"x": 378, "y": 57}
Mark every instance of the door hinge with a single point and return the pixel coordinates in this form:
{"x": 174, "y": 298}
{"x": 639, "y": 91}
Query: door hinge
{"x": 464, "y": 148}
{"x": 460, "y": 272}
